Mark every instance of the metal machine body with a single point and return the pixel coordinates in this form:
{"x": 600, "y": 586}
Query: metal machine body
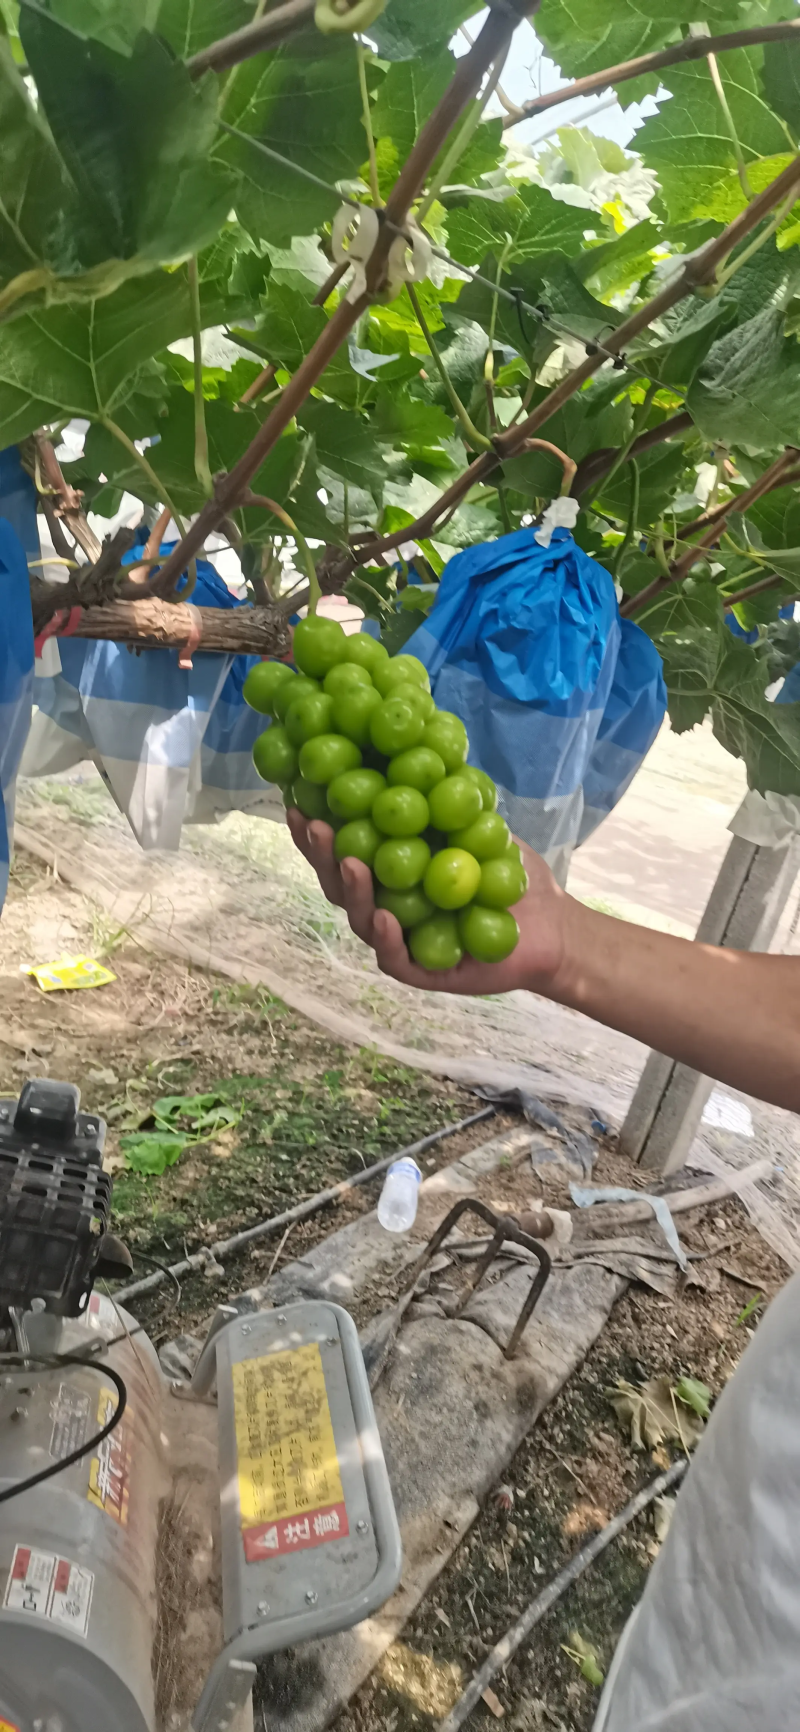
{"x": 306, "y": 1541}
{"x": 78, "y": 1554}
{"x": 310, "y": 1541}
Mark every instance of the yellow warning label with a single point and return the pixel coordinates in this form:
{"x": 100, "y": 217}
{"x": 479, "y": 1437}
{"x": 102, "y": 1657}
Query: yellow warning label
{"x": 8, "y": 1726}
{"x": 284, "y": 1437}
{"x": 109, "y": 1470}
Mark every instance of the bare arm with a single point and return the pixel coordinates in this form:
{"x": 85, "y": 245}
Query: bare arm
{"x": 727, "y": 1013}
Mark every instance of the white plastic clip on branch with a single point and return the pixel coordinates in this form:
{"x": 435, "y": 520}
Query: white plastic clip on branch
{"x": 562, "y": 514}
{"x": 353, "y": 240}
{"x": 409, "y": 260}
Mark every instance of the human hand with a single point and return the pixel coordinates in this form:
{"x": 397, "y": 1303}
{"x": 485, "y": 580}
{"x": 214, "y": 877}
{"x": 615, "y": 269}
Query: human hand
{"x": 541, "y": 917}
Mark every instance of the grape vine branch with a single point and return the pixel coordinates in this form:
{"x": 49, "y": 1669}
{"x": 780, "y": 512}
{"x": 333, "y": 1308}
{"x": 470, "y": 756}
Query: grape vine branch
{"x": 637, "y": 313}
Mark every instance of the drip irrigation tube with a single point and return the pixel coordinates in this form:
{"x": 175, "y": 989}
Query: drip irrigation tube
{"x": 538, "y": 1608}
{"x": 300, "y": 1212}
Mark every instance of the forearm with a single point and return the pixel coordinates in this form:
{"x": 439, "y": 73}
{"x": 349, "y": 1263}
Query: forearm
{"x": 728, "y": 1013}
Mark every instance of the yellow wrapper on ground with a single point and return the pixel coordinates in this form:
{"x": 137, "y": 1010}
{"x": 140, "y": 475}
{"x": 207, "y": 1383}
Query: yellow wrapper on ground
{"x": 68, "y": 973}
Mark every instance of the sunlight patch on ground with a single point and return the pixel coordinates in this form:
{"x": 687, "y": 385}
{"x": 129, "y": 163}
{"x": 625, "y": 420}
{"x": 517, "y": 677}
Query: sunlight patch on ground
{"x": 433, "y": 1686}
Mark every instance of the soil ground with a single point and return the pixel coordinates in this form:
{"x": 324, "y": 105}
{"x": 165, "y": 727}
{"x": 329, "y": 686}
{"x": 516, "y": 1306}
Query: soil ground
{"x": 306, "y": 1109}
{"x": 575, "y": 1470}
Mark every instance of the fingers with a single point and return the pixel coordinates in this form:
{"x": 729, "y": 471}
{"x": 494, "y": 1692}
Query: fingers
{"x": 390, "y": 949}
{"x": 393, "y": 959}
{"x": 298, "y": 826}
{"x": 359, "y": 898}
{"x": 348, "y": 885}
{"x": 315, "y": 841}
{"x": 321, "y": 839}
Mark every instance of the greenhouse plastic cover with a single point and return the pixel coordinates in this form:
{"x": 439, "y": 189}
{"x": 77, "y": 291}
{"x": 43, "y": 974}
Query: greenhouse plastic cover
{"x": 19, "y": 542}
{"x": 714, "y": 1645}
{"x": 173, "y": 744}
{"x": 561, "y": 698}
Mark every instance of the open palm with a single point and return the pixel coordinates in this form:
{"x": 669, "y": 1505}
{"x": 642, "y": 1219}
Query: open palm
{"x": 540, "y": 916}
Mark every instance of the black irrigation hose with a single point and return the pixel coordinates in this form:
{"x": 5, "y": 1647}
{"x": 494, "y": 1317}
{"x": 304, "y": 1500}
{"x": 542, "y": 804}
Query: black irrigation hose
{"x": 92, "y": 1443}
{"x": 549, "y": 1596}
{"x": 300, "y": 1212}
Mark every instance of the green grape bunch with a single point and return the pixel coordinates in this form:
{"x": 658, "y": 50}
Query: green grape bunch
{"x": 356, "y": 739}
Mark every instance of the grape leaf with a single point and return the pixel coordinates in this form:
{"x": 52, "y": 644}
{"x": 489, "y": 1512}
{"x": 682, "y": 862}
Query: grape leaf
{"x": 408, "y": 94}
{"x": 406, "y": 421}
{"x": 783, "y": 647}
{"x": 323, "y": 521}
{"x": 688, "y": 141}
{"x": 344, "y": 444}
{"x": 780, "y": 81}
{"x": 289, "y": 326}
{"x": 681, "y": 341}
{"x": 299, "y": 264}
{"x": 586, "y": 35}
{"x": 635, "y": 571}
{"x": 40, "y": 214}
{"x": 549, "y": 280}
{"x": 585, "y": 424}
{"x": 777, "y": 518}
{"x": 103, "y": 20}
{"x": 85, "y": 360}
{"x": 688, "y": 633}
{"x": 229, "y": 433}
{"x": 189, "y": 25}
{"x": 483, "y": 155}
{"x": 766, "y": 736}
{"x": 473, "y": 523}
{"x": 135, "y": 135}
{"x": 415, "y": 27}
{"x": 785, "y": 561}
{"x": 310, "y": 112}
{"x": 659, "y": 473}
{"x": 464, "y": 354}
{"x": 747, "y": 391}
{"x": 612, "y": 266}
{"x": 529, "y": 225}
{"x": 709, "y": 670}
{"x": 571, "y": 307}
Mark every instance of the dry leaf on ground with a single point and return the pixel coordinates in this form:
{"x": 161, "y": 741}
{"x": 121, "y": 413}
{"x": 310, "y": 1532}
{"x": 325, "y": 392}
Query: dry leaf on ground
{"x": 654, "y": 1415}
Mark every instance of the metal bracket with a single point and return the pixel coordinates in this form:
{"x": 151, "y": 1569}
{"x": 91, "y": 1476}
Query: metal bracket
{"x": 504, "y": 1230}
{"x": 204, "y": 1375}
{"x": 231, "y": 1692}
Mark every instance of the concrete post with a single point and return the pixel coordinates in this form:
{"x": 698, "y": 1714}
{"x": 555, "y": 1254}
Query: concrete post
{"x": 743, "y": 912}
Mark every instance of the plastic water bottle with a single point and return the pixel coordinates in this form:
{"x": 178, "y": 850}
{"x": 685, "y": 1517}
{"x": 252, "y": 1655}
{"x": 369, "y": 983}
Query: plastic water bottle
{"x": 397, "y": 1209}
